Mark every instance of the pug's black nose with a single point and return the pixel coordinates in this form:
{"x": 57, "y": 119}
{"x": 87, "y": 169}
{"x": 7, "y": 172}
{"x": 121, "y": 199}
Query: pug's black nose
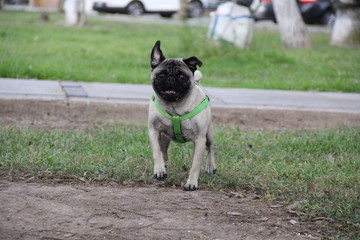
{"x": 170, "y": 79}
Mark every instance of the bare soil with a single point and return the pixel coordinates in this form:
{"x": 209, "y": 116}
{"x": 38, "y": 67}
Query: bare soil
{"x": 82, "y": 115}
{"x": 43, "y": 210}
{"x": 34, "y": 209}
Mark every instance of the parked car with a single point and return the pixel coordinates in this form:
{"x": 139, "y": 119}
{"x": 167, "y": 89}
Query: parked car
{"x": 138, "y": 7}
{"x": 312, "y": 11}
{"x": 17, "y": 2}
{"x": 213, "y": 4}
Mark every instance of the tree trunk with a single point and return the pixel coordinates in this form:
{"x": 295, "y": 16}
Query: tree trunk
{"x": 75, "y": 12}
{"x": 346, "y": 31}
{"x": 61, "y": 6}
{"x": 293, "y": 31}
{"x": 183, "y": 10}
{"x": 82, "y": 13}
{"x": 2, "y": 3}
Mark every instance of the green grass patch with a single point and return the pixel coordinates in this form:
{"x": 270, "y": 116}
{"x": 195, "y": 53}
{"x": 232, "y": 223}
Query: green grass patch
{"x": 319, "y": 167}
{"x": 118, "y": 52}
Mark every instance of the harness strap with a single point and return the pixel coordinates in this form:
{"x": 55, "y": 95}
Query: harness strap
{"x": 176, "y": 120}
{"x": 177, "y": 129}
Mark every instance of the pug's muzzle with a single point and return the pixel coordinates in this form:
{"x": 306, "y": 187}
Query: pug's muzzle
{"x": 171, "y": 88}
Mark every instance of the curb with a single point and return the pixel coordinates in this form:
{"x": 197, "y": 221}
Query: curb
{"x": 57, "y": 102}
{"x": 220, "y": 97}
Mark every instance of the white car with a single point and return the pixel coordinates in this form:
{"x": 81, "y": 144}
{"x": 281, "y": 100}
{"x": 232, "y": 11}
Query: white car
{"x": 138, "y": 7}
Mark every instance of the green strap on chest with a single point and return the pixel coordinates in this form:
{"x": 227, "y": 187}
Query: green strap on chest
{"x": 176, "y": 120}
{"x": 177, "y": 129}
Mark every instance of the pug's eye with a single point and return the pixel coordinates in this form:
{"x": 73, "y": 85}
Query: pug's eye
{"x": 161, "y": 75}
{"x": 182, "y": 77}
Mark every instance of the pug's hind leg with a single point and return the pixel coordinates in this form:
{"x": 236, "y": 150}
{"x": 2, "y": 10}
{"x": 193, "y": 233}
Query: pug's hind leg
{"x": 210, "y": 162}
{"x": 158, "y": 156}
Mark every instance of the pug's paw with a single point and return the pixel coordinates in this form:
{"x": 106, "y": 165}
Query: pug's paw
{"x": 211, "y": 171}
{"x": 160, "y": 175}
{"x": 191, "y": 187}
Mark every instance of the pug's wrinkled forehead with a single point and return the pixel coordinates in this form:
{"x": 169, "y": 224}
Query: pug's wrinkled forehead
{"x": 173, "y": 65}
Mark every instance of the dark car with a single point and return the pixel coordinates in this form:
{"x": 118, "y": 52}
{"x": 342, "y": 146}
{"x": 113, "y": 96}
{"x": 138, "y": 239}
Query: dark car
{"x": 213, "y": 4}
{"x": 17, "y": 2}
{"x": 312, "y": 11}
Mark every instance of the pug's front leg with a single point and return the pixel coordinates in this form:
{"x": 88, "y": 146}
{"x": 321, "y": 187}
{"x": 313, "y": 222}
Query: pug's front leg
{"x": 199, "y": 149}
{"x": 158, "y": 156}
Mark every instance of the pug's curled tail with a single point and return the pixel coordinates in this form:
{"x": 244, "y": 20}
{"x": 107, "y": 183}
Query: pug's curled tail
{"x": 197, "y": 76}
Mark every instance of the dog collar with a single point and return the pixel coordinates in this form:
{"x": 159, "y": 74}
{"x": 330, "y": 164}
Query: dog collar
{"x": 176, "y": 120}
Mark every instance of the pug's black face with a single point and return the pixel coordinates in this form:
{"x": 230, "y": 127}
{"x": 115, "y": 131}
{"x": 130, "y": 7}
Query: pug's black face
{"x": 172, "y": 78}
{"x": 170, "y": 81}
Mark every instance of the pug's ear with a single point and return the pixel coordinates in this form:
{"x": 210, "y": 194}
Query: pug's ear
{"x": 157, "y": 56}
{"x": 192, "y": 62}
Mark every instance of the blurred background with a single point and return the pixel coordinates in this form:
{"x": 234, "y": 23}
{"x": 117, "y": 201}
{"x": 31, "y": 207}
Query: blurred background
{"x": 313, "y": 11}
{"x": 310, "y": 45}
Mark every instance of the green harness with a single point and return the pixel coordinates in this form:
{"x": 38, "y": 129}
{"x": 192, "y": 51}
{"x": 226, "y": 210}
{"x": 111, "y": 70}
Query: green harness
{"x": 177, "y": 119}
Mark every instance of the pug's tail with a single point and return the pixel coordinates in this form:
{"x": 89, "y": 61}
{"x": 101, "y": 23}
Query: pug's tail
{"x": 197, "y": 76}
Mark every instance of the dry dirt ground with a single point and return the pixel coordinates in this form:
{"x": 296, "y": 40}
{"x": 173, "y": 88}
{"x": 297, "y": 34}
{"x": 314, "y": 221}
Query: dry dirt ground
{"x": 81, "y": 114}
{"x": 43, "y": 210}
{"x": 33, "y": 209}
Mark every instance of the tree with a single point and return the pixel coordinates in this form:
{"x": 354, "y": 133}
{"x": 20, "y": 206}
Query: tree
{"x": 2, "y": 3}
{"x": 75, "y": 12}
{"x": 293, "y": 31}
{"x": 183, "y": 10}
{"x": 82, "y": 13}
{"x": 346, "y": 31}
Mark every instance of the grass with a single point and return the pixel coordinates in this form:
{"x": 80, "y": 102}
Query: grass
{"x": 119, "y": 52}
{"x": 319, "y": 167}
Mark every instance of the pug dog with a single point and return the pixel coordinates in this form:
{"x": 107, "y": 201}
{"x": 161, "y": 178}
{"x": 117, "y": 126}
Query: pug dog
{"x": 178, "y": 95}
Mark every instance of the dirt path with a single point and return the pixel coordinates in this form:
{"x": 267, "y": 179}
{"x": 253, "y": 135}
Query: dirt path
{"x": 79, "y": 114}
{"x": 33, "y": 210}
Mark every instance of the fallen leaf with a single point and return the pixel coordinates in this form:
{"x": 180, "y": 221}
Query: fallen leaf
{"x": 236, "y": 194}
{"x": 264, "y": 219}
{"x": 233, "y": 213}
{"x": 276, "y": 206}
{"x": 293, "y": 222}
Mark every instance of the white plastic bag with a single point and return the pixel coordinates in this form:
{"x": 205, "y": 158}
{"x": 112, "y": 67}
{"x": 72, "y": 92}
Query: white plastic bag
{"x": 232, "y": 23}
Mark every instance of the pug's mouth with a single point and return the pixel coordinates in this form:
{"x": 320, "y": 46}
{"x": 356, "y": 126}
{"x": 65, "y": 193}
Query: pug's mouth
{"x": 169, "y": 94}
{"x": 169, "y": 91}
